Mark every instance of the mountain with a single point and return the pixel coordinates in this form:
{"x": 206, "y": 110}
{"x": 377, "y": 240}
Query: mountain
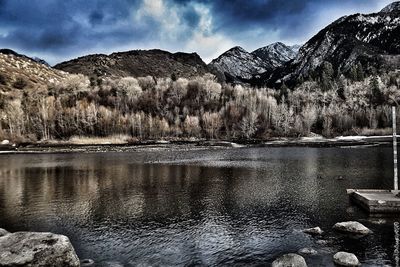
{"x": 276, "y": 54}
{"x": 369, "y": 40}
{"x": 21, "y": 72}
{"x": 6, "y": 51}
{"x": 157, "y": 63}
{"x": 237, "y": 64}
{"x": 391, "y": 7}
{"x": 295, "y": 48}
{"x": 41, "y": 61}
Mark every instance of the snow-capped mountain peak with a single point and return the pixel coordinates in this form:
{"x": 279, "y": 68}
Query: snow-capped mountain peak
{"x": 371, "y": 40}
{"x": 237, "y": 64}
{"x": 236, "y": 50}
{"x": 276, "y": 54}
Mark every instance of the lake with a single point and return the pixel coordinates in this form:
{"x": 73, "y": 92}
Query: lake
{"x": 205, "y": 207}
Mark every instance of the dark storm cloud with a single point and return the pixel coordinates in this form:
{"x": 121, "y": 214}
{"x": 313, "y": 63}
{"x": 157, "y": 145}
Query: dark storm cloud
{"x": 56, "y": 25}
{"x": 96, "y": 17}
{"x": 191, "y": 17}
{"x": 294, "y": 17}
{"x": 60, "y": 29}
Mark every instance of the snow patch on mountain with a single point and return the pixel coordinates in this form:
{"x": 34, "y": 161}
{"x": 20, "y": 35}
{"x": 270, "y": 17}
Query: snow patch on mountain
{"x": 239, "y": 63}
{"x": 276, "y": 54}
{"x": 295, "y": 48}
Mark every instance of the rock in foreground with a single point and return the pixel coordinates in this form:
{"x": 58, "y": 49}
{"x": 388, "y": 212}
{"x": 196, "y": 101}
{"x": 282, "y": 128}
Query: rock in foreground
{"x": 346, "y": 259}
{"x": 351, "y": 227}
{"x": 290, "y": 260}
{"x": 313, "y": 231}
{"x": 37, "y": 249}
{"x": 307, "y": 251}
{"x": 5, "y": 142}
{"x": 3, "y": 232}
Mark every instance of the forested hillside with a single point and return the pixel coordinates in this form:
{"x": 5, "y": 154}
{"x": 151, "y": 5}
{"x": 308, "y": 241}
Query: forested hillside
{"x": 148, "y": 108}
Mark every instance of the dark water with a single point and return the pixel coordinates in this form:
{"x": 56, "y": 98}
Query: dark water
{"x": 235, "y": 207}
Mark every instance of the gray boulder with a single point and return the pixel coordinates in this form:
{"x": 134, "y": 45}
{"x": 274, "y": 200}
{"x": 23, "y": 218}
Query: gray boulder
{"x": 3, "y": 232}
{"x": 313, "y": 231}
{"x": 5, "y": 142}
{"x": 352, "y": 227}
{"x": 37, "y": 249}
{"x": 346, "y": 259}
{"x": 307, "y": 251}
{"x": 289, "y": 260}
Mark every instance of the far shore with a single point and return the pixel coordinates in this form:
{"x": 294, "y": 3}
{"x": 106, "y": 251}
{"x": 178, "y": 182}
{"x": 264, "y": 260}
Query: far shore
{"x": 55, "y": 146}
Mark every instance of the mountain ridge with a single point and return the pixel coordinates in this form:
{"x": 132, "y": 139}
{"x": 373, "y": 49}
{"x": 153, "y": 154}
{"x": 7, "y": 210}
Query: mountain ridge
{"x": 18, "y": 71}
{"x": 239, "y": 65}
{"x": 236, "y": 64}
{"x": 154, "y": 62}
{"x": 276, "y": 54}
{"x": 7, "y": 51}
{"x": 370, "y": 40}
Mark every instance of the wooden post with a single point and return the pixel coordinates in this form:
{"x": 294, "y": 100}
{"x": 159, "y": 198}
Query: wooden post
{"x": 395, "y": 175}
{"x": 396, "y": 244}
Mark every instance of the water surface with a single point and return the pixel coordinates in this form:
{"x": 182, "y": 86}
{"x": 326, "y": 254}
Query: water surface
{"x": 228, "y": 207}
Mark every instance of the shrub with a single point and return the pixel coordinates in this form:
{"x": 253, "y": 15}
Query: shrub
{"x": 3, "y": 79}
{"x": 20, "y": 83}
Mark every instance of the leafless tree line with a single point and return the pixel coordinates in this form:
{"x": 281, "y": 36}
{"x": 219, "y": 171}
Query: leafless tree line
{"x": 163, "y": 108}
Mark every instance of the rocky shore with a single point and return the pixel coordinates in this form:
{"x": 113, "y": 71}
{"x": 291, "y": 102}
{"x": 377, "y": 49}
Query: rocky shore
{"x": 340, "y": 258}
{"x": 7, "y": 147}
{"x": 48, "y": 249}
{"x": 36, "y": 249}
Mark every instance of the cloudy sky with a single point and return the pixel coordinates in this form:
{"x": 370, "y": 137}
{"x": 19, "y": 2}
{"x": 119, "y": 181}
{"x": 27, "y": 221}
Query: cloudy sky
{"x": 57, "y": 30}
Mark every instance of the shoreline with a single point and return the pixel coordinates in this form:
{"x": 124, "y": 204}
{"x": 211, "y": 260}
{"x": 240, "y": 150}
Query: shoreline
{"x": 148, "y": 145}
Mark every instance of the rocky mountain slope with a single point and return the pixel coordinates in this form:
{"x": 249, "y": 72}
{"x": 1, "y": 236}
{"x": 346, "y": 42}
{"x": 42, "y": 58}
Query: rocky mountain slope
{"x": 295, "y": 48}
{"x": 236, "y": 64}
{"x": 276, "y": 54}
{"x": 372, "y": 40}
{"x": 22, "y": 72}
{"x": 137, "y": 63}
{"x": 391, "y": 7}
{"x": 6, "y": 51}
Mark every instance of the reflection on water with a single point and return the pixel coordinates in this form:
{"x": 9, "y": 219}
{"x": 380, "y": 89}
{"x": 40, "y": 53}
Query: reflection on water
{"x": 208, "y": 208}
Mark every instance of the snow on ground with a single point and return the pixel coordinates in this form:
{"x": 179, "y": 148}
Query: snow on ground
{"x": 351, "y": 138}
{"x": 361, "y": 137}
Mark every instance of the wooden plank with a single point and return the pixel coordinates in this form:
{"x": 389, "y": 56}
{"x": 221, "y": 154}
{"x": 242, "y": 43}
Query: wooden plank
{"x": 375, "y": 201}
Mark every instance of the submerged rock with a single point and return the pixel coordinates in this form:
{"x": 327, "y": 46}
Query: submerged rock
{"x": 352, "y": 227}
{"x": 289, "y": 260}
{"x": 322, "y": 242}
{"x": 346, "y": 259}
{"x": 87, "y": 262}
{"x": 37, "y": 249}
{"x": 377, "y": 221}
{"x": 3, "y": 232}
{"x": 307, "y": 251}
{"x": 113, "y": 264}
{"x": 313, "y": 231}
